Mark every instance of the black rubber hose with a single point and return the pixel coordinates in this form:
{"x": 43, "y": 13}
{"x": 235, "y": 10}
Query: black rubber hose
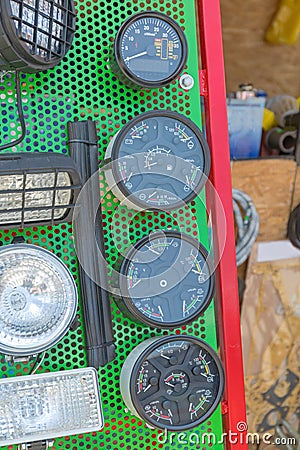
{"x": 281, "y": 139}
{"x": 293, "y": 230}
{"x": 88, "y": 233}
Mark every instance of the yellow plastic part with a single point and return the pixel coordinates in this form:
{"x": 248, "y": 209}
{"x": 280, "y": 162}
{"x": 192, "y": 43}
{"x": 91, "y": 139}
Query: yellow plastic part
{"x": 285, "y": 27}
{"x": 298, "y": 100}
{"x": 268, "y": 120}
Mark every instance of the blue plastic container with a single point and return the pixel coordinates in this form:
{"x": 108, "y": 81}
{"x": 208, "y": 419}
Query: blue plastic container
{"x": 245, "y": 118}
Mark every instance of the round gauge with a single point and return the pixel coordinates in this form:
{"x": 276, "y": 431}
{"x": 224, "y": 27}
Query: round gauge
{"x": 166, "y": 280}
{"x": 158, "y": 160}
{"x": 150, "y": 50}
{"x": 173, "y": 382}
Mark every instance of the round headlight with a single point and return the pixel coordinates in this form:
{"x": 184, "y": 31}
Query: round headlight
{"x": 35, "y": 35}
{"x": 38, "y": 299}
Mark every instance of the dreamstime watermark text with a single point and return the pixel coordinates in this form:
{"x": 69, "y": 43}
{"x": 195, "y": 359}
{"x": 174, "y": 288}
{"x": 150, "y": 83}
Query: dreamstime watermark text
{"x": 240, "y": 436}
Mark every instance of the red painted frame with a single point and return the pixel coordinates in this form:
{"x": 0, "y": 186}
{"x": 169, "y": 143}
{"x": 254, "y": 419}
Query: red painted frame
{"x": 212, "y": 79}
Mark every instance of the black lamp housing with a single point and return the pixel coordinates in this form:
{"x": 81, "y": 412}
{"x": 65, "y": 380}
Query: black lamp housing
{"x": 35, "y": 35}
{"x": 33, "y": 188}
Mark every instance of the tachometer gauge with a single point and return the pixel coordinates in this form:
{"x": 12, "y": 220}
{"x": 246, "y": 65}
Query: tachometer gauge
{"x": 158, "y": 160}
{"x": 150, "y": 50}
{"x": 173, "y": 382}
{"x": 166, "y": 280}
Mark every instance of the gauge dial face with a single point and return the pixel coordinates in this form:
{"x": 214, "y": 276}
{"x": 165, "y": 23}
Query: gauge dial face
{"x": 168, "y": 280}
{"x": 162, "y": 160}
{"x": 151, "y": 49}
{"x": 177, "y": 384}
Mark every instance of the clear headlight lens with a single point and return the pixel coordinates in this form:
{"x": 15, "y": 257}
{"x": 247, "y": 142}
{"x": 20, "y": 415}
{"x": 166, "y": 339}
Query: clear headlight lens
{"x": 38, "y": 407}
{"x": 41, "y": 191}
{"x": 39, "y": 23}
{"x": 35, "y": 34}
{"x": 38, "y": 299}
{"x": 37, "y": 189}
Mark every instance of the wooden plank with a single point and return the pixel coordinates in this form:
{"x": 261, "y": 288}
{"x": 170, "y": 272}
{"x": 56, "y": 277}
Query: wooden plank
{"x": 270, "y": 184}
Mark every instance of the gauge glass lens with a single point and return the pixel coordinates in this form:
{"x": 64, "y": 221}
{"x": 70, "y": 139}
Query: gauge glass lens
{"x": 179, "y": 384}
{"x": 168, "y": 279}
{"x": 152, "y": 48}
{"x": 162, "y": 161}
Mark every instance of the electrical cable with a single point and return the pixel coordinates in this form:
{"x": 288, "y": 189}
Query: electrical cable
{"x": 88, "y": 233}
{"x": 20, "y": 113}
{"x": 247, "y": 223}
{"x": 38, "y": 362}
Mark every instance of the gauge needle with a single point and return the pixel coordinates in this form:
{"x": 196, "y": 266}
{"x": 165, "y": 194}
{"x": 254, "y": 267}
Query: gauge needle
{"x": 148, "y": 387}
{"x": 187, "y": 139}
{"x": 153, "y": 251}
{"x": 135, "y": 284}
{"x": 206, "y": 375}
{"x": 135, "y": 56}
{"x": 128, "y": 179}
{"x": 161, "y": 312}
{"x": 164, "y": 356}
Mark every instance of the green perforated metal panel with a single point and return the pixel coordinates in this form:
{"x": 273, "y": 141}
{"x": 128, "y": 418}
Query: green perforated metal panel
{"x": 83, "y": 87}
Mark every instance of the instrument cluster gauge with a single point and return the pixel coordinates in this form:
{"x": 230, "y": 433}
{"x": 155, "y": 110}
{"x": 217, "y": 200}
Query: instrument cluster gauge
{"x": 149, "y": 51}
{"x": 166, "y": 280}
{"x": 172, "y": 382}
{"x": 158, "y": 160}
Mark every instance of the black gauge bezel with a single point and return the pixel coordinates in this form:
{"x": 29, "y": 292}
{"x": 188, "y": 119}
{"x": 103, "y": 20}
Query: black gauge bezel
{"x": 134, "y": 80}
{"x": 143, "y": 357}
{"x": 143, "y": 117}
{"x": 126, "y": 300}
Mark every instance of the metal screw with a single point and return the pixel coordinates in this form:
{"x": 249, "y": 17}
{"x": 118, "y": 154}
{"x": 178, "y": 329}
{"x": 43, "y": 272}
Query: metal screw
{"x": 186, "y": 81}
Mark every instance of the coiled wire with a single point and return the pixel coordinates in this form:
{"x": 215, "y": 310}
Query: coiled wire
{"x": 247, "y": 223}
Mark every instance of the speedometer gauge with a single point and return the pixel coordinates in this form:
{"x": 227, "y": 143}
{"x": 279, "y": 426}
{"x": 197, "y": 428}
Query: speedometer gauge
{"x": 166, "y": 280}
{"x": 150, "y": 50}
{"x": 173, "y": 382}
{"x": 158, "y": 160}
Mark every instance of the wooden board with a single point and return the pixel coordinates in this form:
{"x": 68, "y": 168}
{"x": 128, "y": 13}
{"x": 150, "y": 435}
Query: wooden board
{"x": 248, "y": 58}
{"x": 270, "y": 184}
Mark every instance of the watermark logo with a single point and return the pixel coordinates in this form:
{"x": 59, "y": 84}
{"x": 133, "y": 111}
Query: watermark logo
{"x": 241, "y": 427}
{"x": 238, "y": 437}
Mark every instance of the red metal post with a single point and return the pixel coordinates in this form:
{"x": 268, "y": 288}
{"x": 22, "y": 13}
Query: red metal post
{"x": 228, "y": 316}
